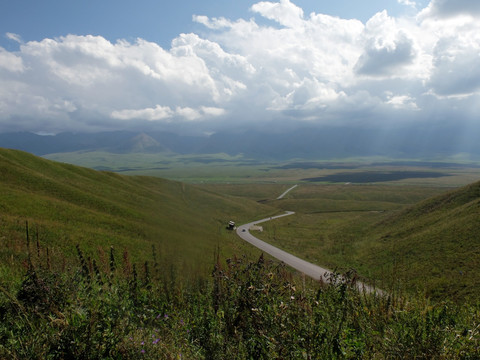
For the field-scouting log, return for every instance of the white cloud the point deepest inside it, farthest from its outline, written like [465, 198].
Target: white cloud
[410, 3]
[212, 111]
[166, 114]
[450, 8]
[150, 114]
[10, 61]
[215, 23]
[387, 48]
[283, 12]
[316, 67]
[402, 102]
[15, 37]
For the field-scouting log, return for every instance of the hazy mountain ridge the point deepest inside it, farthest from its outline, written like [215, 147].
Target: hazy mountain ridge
[308, 143]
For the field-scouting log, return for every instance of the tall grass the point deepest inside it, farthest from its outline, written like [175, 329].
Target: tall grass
[106, 307]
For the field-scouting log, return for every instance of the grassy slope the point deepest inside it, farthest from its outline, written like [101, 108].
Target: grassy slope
[388, 233]
[433, 244]
[70, 204]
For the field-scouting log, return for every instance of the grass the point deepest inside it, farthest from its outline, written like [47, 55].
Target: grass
[68, 204]
[336, 225]
[387, 234]
[66, 293]
[113, 309]
[224, 169]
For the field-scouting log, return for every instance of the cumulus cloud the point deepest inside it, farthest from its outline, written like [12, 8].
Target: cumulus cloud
[165, 113]
[10, 62]
[387, 47]
[456, 67]
[283, 12]
[150, 114]
[315, 68]
[449, 8]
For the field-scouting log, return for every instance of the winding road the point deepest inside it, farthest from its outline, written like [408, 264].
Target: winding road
[314, 271]
[286, 192]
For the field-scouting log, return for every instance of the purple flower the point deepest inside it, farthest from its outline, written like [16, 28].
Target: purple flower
[155, 341]
[142, 351]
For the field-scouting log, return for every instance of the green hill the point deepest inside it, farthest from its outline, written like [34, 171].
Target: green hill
[65, 205]
[433, 245]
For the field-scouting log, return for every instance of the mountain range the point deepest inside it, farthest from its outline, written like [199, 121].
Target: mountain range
[306, 143]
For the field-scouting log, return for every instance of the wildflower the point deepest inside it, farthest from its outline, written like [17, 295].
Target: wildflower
[142, 351]
[155, 341]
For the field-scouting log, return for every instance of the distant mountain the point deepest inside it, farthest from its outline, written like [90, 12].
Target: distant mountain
[141, 143]
[307, 143]
[65, 142]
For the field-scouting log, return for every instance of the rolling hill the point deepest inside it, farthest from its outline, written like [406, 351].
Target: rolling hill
[65, 205]
[433, 245]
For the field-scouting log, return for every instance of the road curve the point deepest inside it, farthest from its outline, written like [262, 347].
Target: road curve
[314, 271]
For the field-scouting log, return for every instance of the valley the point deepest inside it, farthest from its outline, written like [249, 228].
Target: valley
[95, 258]
[341, 210]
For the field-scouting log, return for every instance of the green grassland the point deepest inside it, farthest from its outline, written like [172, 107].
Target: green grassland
[224, 169]
[413, 236]
[387, 234]
[66, 205]
[342, 208]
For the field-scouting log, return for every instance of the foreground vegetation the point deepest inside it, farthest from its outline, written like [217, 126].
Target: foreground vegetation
[109, 308]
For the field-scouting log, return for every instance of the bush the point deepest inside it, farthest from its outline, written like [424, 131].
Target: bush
[247, 310]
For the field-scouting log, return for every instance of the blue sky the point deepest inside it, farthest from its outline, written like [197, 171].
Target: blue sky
[153, 20]
[209, 65]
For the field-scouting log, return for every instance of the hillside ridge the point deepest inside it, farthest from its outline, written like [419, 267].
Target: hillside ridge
[67, 204]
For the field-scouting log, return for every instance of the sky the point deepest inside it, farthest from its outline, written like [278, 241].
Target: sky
[203, 66]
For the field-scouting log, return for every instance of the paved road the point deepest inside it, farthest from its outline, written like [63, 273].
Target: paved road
[286, 192]
[314, 271]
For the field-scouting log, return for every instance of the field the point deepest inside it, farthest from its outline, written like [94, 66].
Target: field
[223, 168]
